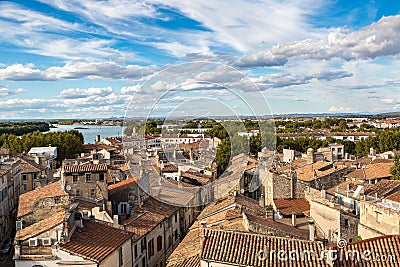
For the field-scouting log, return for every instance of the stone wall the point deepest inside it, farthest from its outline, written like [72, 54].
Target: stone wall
[376, 220]
[45, 207]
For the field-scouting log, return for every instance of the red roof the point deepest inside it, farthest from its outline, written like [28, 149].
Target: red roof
[96, 241]
[27, 200]
[85, 168]
[112, 189]
[287, 206]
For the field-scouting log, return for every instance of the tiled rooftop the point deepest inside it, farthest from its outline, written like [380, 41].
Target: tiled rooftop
[383, 247]
[343, 186]
[318, 169]
[3, 172]
[187, 252]
[85, 168]
[143, 223]
[112, 189]
[201, 178]
[287, 206]
[169, 168]
[27, 200]
[394, 197]
[96, 241]
[247, 204]
[243, 249]
[382, 188]
[29, 166]
[40, 227]
[372, 171]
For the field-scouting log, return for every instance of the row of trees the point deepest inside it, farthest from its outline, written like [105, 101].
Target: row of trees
[68, 143]
[20, 128]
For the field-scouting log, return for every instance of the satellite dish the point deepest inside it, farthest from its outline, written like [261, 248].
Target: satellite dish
[242, 191]
[68, 187]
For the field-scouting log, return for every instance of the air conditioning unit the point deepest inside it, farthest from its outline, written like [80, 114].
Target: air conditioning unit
[33, 242]
[46, 241]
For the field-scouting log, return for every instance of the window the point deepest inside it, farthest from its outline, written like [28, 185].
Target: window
[176, 234]
[25, 187]
[101, 177]
[378, 217]
[34, 176]
[24, 177]
[144, 262]
[88, 177]
[169, 222]
[142, 245]
[346, 222]
[120, 256]
[92, 193]
[159, 243]
[169, 241]
[77, 193]
[136, 251]
[176, 217]
[150, 247]
[74, 178]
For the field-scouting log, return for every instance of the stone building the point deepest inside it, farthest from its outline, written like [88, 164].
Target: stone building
[39, 204]
[381, 217]
[87, 181]
[292, 180]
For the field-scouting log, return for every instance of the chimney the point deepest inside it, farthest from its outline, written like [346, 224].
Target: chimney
[294, 219]
[115, 219]
[292, 182]
[310, 155]
[92, 219]
[311, 224]
[125, 229]
[262, 200]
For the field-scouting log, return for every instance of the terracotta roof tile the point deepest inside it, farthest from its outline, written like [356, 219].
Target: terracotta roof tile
[85, 168]
[394, 197]
[187, 249]
[28, 199]
[3, 172]
[379, 248]
[372, 171]
[40, 227]
[169, 168]
[247, 204]
[287, 206]
[242, 249]
[383, 188]
[201, 178]
[112, 189]
[29, 166]
[96, 241]
[143, 223]
[278, 226]
[343, 186]
[318, 169]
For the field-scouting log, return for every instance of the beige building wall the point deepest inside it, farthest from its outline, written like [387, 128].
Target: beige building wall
[376, 220]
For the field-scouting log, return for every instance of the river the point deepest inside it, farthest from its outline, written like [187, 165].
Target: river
[90, 131]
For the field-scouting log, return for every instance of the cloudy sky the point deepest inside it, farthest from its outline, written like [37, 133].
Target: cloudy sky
[88, 58]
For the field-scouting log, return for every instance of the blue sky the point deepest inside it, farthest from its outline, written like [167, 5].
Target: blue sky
[89, 59]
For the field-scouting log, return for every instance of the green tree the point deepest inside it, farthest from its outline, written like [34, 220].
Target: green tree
[395, 169]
